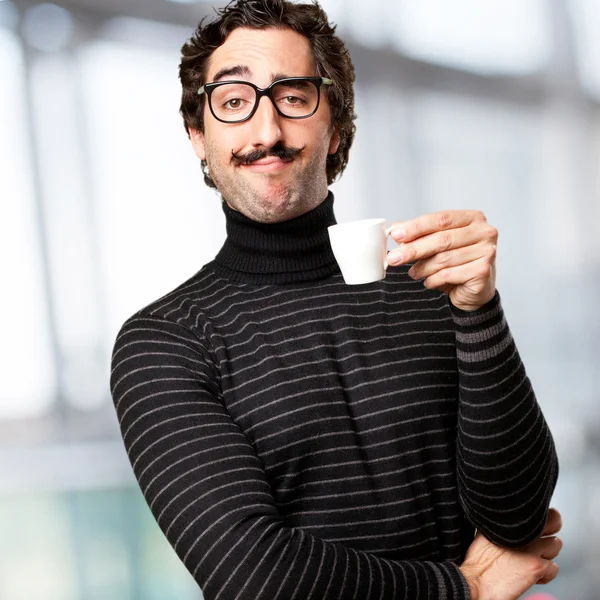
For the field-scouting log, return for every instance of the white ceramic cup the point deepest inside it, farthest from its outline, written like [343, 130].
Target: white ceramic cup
[360, 248]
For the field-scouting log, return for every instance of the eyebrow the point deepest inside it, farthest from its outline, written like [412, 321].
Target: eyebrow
[242, 71]
[237, 71]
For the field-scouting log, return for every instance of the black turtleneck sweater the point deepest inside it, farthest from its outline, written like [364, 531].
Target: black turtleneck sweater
[297, 438]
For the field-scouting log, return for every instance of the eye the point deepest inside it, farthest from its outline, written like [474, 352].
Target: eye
[232, 98]
[234, 103]
[296, 95]
[292, 101]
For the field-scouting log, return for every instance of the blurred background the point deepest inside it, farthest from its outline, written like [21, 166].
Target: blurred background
[492, 105]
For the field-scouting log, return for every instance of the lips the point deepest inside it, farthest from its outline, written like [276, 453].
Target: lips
[270, 164]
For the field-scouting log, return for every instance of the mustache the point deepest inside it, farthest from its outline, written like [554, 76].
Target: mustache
[284, 153]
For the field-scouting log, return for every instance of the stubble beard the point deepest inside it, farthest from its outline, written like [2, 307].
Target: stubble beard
[298, 193]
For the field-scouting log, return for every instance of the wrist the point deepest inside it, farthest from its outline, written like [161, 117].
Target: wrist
[471, 304]
[483, 302]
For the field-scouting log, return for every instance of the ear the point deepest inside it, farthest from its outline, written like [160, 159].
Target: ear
[334, 143]
[197, 139]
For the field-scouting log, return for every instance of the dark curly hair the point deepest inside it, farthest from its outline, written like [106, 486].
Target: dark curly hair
[329, 53]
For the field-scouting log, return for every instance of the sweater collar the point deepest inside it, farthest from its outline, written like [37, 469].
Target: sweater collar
[292, 251]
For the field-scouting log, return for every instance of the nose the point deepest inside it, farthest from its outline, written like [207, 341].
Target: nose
[266, 125]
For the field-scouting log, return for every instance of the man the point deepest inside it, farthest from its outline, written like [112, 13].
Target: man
[299, 438]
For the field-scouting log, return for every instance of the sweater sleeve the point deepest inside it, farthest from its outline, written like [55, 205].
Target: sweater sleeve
[506, 460]
[208, 490]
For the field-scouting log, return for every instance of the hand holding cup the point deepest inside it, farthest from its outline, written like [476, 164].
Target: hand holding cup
[453, 251]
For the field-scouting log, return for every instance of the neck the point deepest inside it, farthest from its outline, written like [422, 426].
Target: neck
[291, 251]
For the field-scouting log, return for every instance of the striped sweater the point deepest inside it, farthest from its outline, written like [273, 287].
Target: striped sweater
[297, 438]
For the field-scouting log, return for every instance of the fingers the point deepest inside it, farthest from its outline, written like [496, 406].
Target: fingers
[444, 242]
[489, 569]
[546, 547]
[550, 573]
[549, 546]
[479, 269]
[406, 231]
[451, 258]
[553, 523]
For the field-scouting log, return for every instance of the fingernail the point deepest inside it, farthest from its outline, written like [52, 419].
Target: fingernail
[398, 234]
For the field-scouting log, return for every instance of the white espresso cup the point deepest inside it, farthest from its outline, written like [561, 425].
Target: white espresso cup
[360, 248]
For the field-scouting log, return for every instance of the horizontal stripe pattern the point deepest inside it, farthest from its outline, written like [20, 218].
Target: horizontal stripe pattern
[321, 441]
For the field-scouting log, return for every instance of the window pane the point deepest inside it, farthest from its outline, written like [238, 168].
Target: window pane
[586, 22]
[157, 221]
[495, 36]
[93, 544]
[9, 16]
[354, 185]
[28, 379]
[66, 205]
[480, 155]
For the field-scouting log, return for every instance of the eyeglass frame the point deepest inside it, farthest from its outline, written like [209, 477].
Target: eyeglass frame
[208, 89]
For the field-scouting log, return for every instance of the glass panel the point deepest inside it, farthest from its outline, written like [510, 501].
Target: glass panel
[354, 186]
[475, 154]
[157, 221]
[68, 228]
[141, 33]
[9, 16]
[37, 561]
[47, 27]
[495, 36]
[28, 380]
[481, 155]
[379, 158]
[593, 203]
[367, 22]
[586, 20]
[90, 545]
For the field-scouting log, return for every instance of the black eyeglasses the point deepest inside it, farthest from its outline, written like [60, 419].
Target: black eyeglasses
[237, 101]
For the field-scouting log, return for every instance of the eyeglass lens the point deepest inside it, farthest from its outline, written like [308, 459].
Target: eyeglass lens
[235, 101]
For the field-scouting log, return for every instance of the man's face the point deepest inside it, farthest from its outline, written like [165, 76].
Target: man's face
[269, 190]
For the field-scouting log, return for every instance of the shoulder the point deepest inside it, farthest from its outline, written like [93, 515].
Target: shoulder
[166, 337]
[191, 302]
[178, 314]
[198, 290]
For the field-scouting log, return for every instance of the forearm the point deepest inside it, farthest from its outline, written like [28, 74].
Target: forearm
[215, 507]
[281, 563]
[217, 512]
[506, 460]
[209, 493]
